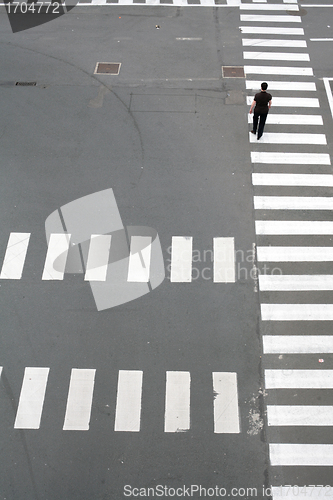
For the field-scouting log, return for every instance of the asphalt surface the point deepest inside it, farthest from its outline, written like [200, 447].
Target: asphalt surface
[169, 135]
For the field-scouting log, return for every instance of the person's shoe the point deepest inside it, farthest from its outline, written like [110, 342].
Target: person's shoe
[252, 132]
[259, 137]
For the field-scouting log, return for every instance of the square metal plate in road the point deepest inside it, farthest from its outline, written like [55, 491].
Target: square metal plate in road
[107, 68]
[233, 72]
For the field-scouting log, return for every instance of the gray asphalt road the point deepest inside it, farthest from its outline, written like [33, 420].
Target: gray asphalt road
[169, 136]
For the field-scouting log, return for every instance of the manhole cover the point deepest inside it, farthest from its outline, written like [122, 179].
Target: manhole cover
[233, 72]
[26, 84]
[107, 68]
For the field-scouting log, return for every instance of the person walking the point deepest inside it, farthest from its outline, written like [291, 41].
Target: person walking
[261, 104]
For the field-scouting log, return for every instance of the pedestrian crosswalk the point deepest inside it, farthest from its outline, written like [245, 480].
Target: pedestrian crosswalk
[77, 409]
[292, 180]
[139, 269]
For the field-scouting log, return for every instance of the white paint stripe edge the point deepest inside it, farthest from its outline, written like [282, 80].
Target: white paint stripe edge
[250, 6]
[289, 138]
[264, 42]
[224, 260]
[301, 102]
[276, 56]
[284, 227]
[272, 179]
[297, 344]
[299, 379]
[181, 259]
[56, 257]
[277, 70]
[296, 415]
[262, 30]
[226, 412]
[296, 312]
[293, 203]
[98, 257]
[177, 401]
[292, 158]
[139, 261]
[287, 119]
[129, 396]
[279, 85]
[31, 400]
[294, 254]
[79, 400]
[293, 282]
[15, 255]
[301, 454]
[269, 18]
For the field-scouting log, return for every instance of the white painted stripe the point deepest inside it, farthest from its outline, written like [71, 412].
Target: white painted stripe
[98, 257]
[15, 255]
[329, 93]
[79, 400]
[258, 30]
[295, 283]
[226, 413]
[269, 18]
[276, 56]
[292, 102]
[297, 344]
[177, 402]
[277, 85]
[301, 454]
[139, 261]
[263, 179]
[56, 256]
[293, 203]
[32, 396]
[289, 138]
[285, 119]
[299, 415]
[271, 6]
[294, 158]
[279, 227]
[290, 1]
[129, 395]
[0, 370]
[321, 39]
[295, 254]
[302, 493]
[297, 312]
[181, 259]
[224, 260]
[299, 379]
[268, 42]
[278, 70]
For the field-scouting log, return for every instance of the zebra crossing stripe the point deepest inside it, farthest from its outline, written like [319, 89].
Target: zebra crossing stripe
[269, 18]
[272, 6]
[299, 379]
[31, 400]
[287, 119]
[297, 415]
[296, 312]
[293, 227]
[177, 402]
[278, 70]
[226, 415]
[79, 400]
[277, 85]
[270, 179]
[266, 42]
[181, 259]
[258, 30]
[297, 102]
[294, 283]
[289, 138]
[293, 203]
[276, 56]
[56, 257]
[98, 257]
[224, 260]
[295, 254]
[139, 260]
[303, 492]
[128, 406]
[15, 255]
[298, 344]
[301, 454]
[293, 158]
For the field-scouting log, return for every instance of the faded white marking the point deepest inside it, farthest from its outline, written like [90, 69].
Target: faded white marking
[280, 227]
[15, 255]
[297, 344]
[31, 400]
[181, 259]
[98, 257]
[299, 379]
[56, 255]
[177, 401]
[224, 260]
[129, 395]
[292, 158]
[297, 312]
[226, 413]
[139, 260]
[79, 400]
[301, 454]
[270, 179]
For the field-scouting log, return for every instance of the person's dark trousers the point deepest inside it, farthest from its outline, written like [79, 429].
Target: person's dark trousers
[262, 120]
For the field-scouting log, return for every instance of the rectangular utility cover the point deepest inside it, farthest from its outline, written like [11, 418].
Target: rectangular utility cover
[233, 72]
[107, 68]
